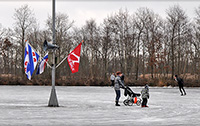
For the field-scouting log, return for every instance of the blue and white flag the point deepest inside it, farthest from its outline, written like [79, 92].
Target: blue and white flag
[42, 64]
[30, 60]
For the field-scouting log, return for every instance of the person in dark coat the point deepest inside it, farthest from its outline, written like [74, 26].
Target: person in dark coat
[117, 86]
[122, 78]
[180, 84]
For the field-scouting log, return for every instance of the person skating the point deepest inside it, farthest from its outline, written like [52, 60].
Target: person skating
[118, 84]
[180, 84]
[112, 79]
[145, 96]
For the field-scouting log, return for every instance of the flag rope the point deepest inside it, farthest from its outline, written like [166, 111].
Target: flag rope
[61, 61]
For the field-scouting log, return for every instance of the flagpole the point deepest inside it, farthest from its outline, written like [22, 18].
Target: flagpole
[53, 102]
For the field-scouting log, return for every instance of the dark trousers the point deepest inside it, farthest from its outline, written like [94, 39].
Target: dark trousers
[117, 95]
[144, 101]
[181, 88]
[112, 82]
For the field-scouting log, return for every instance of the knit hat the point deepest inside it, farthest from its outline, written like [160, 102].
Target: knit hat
[118, 72]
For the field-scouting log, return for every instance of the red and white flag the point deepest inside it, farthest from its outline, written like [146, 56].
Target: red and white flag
[74, 58]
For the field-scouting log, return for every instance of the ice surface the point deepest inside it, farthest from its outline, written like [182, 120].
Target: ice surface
[27, 106]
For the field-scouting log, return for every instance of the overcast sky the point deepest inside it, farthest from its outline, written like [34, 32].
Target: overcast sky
[80, 11]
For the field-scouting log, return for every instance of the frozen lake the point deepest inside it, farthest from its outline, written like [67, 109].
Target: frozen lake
[27, 106]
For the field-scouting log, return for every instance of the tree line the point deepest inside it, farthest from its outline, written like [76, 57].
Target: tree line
[143, 45]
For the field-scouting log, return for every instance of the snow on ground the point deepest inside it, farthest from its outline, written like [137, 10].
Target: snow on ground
[27, 106]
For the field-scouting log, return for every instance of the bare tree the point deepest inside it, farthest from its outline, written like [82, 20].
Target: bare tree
[177, 22]
[24, 20]
[139, 22]
[92, 38]
[107, 44]
[63, 37]
[196, 42]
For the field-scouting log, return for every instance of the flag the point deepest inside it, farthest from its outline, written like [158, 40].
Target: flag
[74, 59]
[30, 60]
[42, 64]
